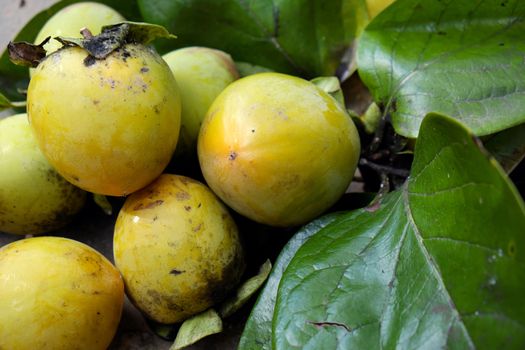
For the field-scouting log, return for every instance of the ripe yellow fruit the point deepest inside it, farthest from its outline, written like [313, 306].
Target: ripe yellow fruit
[56, 293]
[277, 149]
[177, 248]
[34, 198]
[108, 126]
[71, 19]
[202, 73]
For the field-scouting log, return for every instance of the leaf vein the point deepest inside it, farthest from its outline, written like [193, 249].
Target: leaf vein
[431, 264]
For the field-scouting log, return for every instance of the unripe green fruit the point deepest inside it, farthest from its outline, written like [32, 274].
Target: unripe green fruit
[34, 198]
[71, 19]
[202, 73]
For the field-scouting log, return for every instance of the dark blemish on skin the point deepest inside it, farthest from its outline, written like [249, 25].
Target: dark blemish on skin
[253, 130]
[187, 207]
[218, 287]
[155, 218]
[144, 70]
[197, 228]
[232, 155]
[156, 109]
[89, 61]
[125, 55]
[501, 44]
[96, 102]
[74, 177]
[150, 205]
[441, 33]
[198, 206]
[176, 272]
[182, 196]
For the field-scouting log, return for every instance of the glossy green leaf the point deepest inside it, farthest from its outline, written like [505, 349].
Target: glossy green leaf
[196, 328]
[438, 264]
[508, 147]
[257, 332]
[302, 37]
[460, 58]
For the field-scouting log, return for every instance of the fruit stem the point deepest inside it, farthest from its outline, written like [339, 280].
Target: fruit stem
[86, 33]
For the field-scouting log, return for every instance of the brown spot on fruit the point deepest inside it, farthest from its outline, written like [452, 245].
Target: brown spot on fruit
[182, 196]
[142, 206]
[232, 155]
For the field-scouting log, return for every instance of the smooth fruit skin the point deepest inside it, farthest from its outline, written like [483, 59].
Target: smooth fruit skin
[108, 126]
[56, 293]
[277, 149]
[177, 248]
[71, 19]
[34, 198]
[202, 73]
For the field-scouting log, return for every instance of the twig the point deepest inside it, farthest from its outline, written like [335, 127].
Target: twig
[384, 169]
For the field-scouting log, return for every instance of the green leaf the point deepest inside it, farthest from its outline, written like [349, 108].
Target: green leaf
[245, 291]
[438, 264]
[460, 58]
[245, 69]
[508, 147]
[371, 118]
[6, 103]
[301, 37]
[331, 86]
[196, 328]
[257, 332]
[103, 203]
